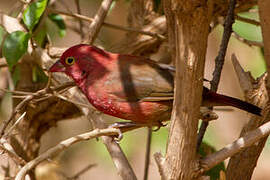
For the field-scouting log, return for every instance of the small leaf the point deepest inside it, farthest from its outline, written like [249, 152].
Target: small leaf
[38, 75]
[33, 12]
[2, 33]
[59, 21]
[246, 30]
[15, 46]
[16, 75]
[40, 37]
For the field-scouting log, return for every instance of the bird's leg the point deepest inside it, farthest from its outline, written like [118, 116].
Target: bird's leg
[126, 126]
[159, 125]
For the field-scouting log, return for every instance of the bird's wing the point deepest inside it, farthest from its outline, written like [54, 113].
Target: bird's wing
[142, 80]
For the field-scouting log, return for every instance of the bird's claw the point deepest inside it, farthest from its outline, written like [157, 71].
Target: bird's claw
[160, 124]
[118, 126]
[118, 138]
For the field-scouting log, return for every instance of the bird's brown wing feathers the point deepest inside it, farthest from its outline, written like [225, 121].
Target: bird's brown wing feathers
[142, 80]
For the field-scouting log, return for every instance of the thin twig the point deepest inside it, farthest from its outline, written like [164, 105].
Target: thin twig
[147, 153]
[17, 92]
[118, 157]
[99, 18]
[3, 65]
[17, 109]
[28, 98]
[109, 25]
[247, 20]
[231, 149]
[77, 2]
[15, 124]
[248, 42]
[201, 133]
[64, 145]
[6, 147]
[84, 170]
[74, 102]
[219, 61]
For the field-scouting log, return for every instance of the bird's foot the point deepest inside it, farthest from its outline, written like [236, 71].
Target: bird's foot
[207, 114]
[160, 124]
[124, 127]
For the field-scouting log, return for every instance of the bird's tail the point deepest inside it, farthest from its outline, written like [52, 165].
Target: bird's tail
[214, 99]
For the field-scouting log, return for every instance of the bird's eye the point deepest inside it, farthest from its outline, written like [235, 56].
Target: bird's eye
[70, 60]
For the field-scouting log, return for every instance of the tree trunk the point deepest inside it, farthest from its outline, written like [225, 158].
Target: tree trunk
[188, 29]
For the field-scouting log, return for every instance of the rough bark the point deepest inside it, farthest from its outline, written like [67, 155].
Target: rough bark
[188, 28]
[242, 165]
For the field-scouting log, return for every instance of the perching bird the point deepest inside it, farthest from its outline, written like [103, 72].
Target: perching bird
[130, 87]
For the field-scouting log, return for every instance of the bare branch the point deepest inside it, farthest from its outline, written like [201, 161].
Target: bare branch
[6, 147]
[78, 174]
[248, 42]
[147, 153]
[247, 20]
[118, 157]
[231, 149]
[98, 20]
[190, 24]
[28, 98]
[64, 145]
[77, 2]
[109, 25]
[219, 61]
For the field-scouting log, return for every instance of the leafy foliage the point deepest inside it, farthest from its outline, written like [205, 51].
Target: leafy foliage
[33, 13]
[15, 46]
[59, 21]
[246, 30]
[38, 75]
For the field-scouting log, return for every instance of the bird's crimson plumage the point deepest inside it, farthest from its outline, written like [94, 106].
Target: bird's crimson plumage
[130, 87]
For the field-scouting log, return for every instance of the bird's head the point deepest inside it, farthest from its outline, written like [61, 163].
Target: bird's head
[78, 61]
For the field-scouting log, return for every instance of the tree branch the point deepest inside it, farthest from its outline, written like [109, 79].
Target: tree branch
[98, 20]
[231, 149]
[64, 145]
[219, 61]
[188, 40]
[242, 164]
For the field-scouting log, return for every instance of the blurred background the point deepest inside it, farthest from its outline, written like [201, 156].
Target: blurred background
[220, 132]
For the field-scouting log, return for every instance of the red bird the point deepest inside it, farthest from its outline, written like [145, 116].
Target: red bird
[130, 87]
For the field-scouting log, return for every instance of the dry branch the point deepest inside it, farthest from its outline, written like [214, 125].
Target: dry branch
[98, 20]
[188, 33]
[219, 61]
[231, 149]
[109, 25]
[62, 146]
[118, 157]
[242, 164]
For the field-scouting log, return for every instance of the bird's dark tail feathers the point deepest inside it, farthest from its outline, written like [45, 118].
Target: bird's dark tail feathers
[223, 100]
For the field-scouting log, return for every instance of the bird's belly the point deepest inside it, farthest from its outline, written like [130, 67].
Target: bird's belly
[140, 112]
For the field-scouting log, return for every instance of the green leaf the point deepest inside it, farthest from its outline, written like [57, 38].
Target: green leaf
[38, 75]
[15, 46]
[40, 37]
[59, 21]
[33, 12]
[2, 33]
[16, 75]
[246, 30]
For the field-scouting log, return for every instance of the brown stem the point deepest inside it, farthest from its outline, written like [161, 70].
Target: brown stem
[98, 20]
[219, 61]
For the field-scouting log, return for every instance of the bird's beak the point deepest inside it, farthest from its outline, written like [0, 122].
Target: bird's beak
[57, 67]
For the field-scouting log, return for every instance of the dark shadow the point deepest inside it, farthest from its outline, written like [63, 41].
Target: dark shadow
[124, 64]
